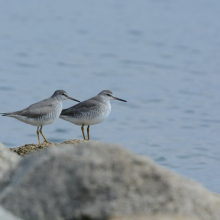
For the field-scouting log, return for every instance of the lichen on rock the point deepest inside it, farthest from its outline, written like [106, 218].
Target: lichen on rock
[30, 148]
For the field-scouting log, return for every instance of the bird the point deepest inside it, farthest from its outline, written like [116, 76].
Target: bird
[91, 111]
[42, 113]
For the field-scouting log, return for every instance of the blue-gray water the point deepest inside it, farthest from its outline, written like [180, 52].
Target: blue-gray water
[162, 56]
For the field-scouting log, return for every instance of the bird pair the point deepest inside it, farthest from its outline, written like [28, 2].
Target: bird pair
[89, 112]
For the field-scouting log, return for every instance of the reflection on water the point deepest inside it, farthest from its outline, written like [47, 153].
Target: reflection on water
[160, 56]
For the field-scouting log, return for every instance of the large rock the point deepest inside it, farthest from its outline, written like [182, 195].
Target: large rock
[156, 217]
[8, 159]
[101, 182]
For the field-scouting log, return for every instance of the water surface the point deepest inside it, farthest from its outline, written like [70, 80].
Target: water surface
[160, 56]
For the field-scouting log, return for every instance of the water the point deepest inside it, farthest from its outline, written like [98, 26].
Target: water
[160, 56]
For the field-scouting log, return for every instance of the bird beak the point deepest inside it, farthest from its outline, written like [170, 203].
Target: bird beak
[119, 99]
[73, 99]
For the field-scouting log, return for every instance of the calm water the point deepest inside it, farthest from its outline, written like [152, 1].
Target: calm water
[163, 57]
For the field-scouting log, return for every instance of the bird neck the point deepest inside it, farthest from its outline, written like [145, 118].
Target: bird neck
[57, 98]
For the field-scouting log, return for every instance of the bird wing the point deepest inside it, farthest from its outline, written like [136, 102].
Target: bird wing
[88, 105]
[36, 110]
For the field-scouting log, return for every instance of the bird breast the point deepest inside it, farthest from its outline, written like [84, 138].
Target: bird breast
[90, 117]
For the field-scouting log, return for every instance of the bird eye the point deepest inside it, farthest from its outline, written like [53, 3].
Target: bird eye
[64, 94]
[108, 94]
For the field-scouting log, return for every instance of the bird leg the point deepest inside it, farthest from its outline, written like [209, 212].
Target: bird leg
[45, 140]
[82, 128]
[88, 132]
[38, 135]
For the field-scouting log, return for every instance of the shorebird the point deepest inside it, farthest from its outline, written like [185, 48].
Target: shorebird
[90, 112]
[42, 113]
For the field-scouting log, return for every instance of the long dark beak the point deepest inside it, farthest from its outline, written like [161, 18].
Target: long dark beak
[73, 99]
[119, 99]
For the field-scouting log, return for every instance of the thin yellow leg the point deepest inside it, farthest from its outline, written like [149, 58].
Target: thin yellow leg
[88, 132]
[38, 135]
[43, 135]
[82, 128]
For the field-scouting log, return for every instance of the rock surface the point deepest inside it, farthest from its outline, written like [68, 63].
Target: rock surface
[30, 148]
[7, 159]
[157, 217]
[98, 181]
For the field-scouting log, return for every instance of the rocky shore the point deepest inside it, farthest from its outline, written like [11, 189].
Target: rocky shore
[87, 180]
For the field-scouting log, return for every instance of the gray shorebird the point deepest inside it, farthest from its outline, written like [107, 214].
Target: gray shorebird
[42, 113]
[90, 112]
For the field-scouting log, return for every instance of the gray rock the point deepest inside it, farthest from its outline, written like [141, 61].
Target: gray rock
[155, 217]
[97, 181]
[5, 215]
[7, 159]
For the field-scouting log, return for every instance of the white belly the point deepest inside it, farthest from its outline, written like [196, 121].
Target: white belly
[36, 122]
[89, 118]
[84, 121]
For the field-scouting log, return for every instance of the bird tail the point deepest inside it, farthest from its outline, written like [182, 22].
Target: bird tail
[5, 114]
